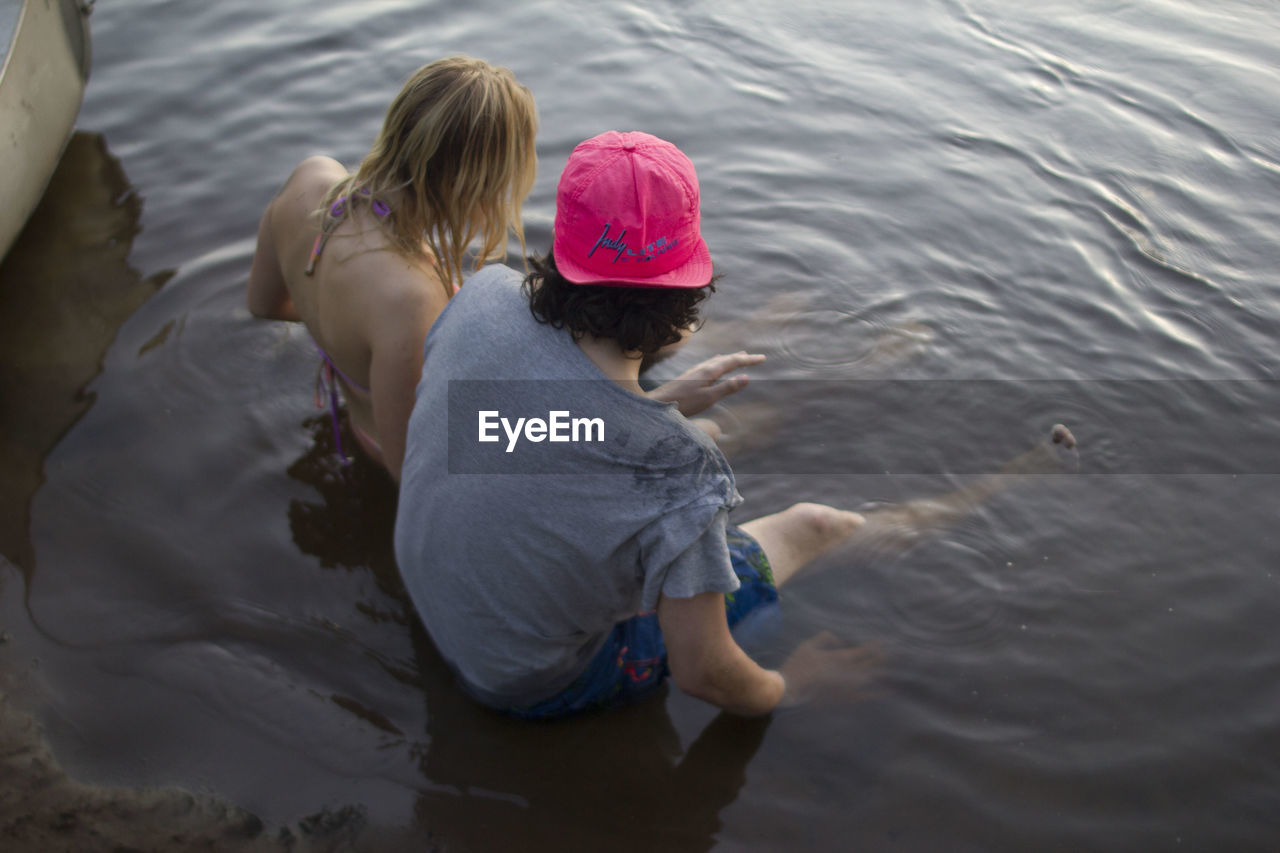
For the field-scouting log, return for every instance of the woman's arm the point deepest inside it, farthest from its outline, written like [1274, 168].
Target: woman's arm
[400, 319]
[268, 295]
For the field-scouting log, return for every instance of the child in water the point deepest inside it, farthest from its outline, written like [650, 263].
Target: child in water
[368, 260]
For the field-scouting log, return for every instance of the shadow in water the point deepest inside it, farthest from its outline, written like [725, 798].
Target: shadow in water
[65, 288]
[617, 780]
[352, 523]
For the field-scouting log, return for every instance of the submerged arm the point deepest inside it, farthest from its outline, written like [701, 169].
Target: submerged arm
[706, 662]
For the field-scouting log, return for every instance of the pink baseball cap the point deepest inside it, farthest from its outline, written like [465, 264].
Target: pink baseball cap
[627, 214]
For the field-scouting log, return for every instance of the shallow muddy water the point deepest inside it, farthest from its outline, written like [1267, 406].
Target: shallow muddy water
[948, 224]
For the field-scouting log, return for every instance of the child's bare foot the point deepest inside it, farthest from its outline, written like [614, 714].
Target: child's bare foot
[1058, 453]
[900, 525]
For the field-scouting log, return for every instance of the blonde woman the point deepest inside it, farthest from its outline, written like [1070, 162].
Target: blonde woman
[368, 260]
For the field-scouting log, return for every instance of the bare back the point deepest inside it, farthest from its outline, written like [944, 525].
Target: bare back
[366, 305]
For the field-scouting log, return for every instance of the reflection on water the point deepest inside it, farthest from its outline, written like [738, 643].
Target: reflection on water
[618, 781]
[581, 784]
[65, 288]
[351, 524]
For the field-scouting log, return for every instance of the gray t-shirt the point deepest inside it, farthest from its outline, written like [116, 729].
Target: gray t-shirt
[521, 555]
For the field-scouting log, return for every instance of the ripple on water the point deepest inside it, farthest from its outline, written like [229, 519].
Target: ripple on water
[947, 592]
[1051, 190]
[852, 343]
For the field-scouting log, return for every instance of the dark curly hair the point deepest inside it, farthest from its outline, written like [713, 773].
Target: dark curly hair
[640, 319]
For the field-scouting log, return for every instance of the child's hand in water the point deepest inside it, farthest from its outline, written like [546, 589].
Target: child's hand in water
[825, 668]
[699, 387]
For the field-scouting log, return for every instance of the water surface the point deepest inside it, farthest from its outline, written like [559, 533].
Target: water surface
[975, 192]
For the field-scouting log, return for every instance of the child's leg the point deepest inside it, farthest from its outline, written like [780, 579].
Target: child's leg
[800, 534]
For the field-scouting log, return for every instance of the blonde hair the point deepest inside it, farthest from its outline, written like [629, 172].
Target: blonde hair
[456, 158]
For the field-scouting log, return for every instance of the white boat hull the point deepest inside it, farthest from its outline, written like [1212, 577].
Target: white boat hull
[41, 87]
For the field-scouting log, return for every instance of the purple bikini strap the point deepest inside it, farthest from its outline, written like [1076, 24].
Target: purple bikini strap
[328, 376]
[336, 211]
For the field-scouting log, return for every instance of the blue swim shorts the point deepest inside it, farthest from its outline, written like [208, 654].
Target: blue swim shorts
[633, 661]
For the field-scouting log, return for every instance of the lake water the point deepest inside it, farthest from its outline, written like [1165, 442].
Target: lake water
[949, 224]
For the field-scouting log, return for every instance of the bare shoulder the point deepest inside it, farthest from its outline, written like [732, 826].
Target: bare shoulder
[308, 183]
[318, 168]
[409, 292]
